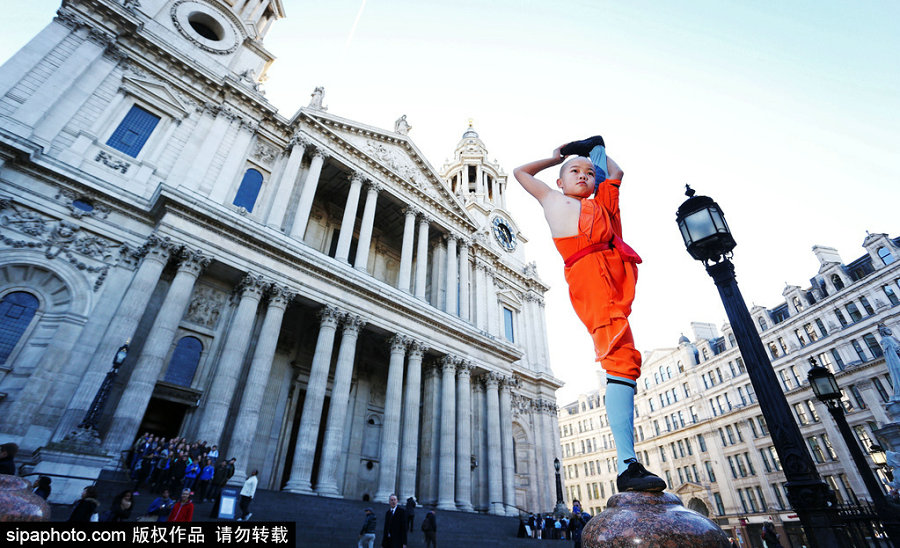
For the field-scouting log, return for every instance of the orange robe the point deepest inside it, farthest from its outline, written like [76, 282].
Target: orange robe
[601, 283]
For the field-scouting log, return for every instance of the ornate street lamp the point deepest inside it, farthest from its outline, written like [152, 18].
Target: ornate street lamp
[827, 391]
[560, 503]
[708, 239]
[96, 409]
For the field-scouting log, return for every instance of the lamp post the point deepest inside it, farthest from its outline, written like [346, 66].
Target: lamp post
[708, 239]
[96, 409]
[827, 391]
[560, 503]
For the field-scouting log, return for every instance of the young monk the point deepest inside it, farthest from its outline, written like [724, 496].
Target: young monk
[601, 271]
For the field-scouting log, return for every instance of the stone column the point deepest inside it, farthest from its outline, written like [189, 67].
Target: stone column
[430, 448]
[480, 296]
[408, 449]
[348, 223]
[464, 280]
[506, 446]
[548, 410]
[121, 328]
[257, 379]
[446, 467]
[390, 430]
[406, 250]
[494, 461]
[493, 308]
[422, 257]
[479, 491]
[327, 484]
[228, 369]
[307, 193]
[130, 410]
[286, 181]
[220, 189]
[301, 468]
[452, 273]
[365, 231]
[464, 437]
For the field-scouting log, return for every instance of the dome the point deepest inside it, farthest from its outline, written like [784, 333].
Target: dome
[470, 133]
[683, 340]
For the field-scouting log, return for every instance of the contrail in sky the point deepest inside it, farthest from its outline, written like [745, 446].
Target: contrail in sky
[355, 22]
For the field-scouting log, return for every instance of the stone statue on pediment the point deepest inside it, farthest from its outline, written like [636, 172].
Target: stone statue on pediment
[401, 126]
[318, 95]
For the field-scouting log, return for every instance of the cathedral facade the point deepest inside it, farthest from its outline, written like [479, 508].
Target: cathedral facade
[308, 293]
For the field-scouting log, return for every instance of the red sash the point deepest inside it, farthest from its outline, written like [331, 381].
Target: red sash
[628, 254]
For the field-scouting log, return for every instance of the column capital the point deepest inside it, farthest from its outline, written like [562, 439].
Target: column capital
[398, 343]
[417, 349]
[320, 152]
[464, 369]
[374, 186]
[299, 139]
[509, 382]
[412, 211]
[252, 286]
[157, 247]
[449, 363]
[464, 243]
[357, 176]
[330, 315]
[280, 295]
[491, 380]
[192, 261]
[353, 323]
[425, 218]
[478, 386]
[451, 236]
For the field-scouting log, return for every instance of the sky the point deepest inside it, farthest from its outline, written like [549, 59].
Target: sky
[786, 113]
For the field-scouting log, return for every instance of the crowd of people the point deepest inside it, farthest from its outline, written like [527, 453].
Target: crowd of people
[555, 526]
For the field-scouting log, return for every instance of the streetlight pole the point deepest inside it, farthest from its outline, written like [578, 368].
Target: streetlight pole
[93, 415]
[827, 391]
[708, 239]
[560, 503]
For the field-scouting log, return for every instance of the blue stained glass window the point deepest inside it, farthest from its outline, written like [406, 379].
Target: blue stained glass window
[184, 362]
[16, 311]
[249, 190]
[134, 131]
[508, 324]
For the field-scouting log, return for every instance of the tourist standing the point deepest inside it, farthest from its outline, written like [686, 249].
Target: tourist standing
[394, 526]
[367, 533]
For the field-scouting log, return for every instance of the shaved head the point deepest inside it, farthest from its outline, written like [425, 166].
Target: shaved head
[568, 162]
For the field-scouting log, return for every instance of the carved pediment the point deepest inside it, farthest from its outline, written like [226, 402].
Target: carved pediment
[157, 94]
[689, 488]
[395, 154]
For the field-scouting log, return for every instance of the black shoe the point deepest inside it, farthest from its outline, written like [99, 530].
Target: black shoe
[637, 478]
[583, 147]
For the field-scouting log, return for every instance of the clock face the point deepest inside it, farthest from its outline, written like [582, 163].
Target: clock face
[504, 234]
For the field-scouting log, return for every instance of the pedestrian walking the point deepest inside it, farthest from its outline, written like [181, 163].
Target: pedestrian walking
[429, 527]
[248, 491]
[410, 512]
[367, 533]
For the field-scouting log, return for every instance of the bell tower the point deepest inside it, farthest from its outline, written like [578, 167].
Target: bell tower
[478, 182]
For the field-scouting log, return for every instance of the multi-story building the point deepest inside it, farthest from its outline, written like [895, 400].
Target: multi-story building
[306, 292]
[697, 422]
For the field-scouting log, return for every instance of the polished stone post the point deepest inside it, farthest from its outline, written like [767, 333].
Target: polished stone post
[390, 430]
[464, 437]
[408, 449]
[228, 368]
[422, 256]
[446, 467]
[121, 328]
[307, 194]
[494, 463]
[286, 182]
[327, 484]
[304, 451]
[406, 249]
[248, 414]
[464, 280]
[348, 223]
[506, 446]
[131, 407]
[365, 230]
[452, 273]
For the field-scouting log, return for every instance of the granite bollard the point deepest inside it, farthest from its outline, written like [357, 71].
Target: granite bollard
[18, 503]
[651, 519]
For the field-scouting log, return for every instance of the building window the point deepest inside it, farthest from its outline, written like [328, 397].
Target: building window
[859, 350]
[840, 317]
[797, 304]
[854, 312]
[709, 471]
[508, 324]
[701, 442]
[778, 496]
[720, 508]
[16, 311]
[816, 449]
[762, 323]
[800, 410]
[184, 361]
[765, 458]
[866, 306]
[873, 345]
[837, 359]
[882, 393]
[821, 327]
[248, 192]
[891, 295]
[838, 283]
[133, 131]
[885, 255]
